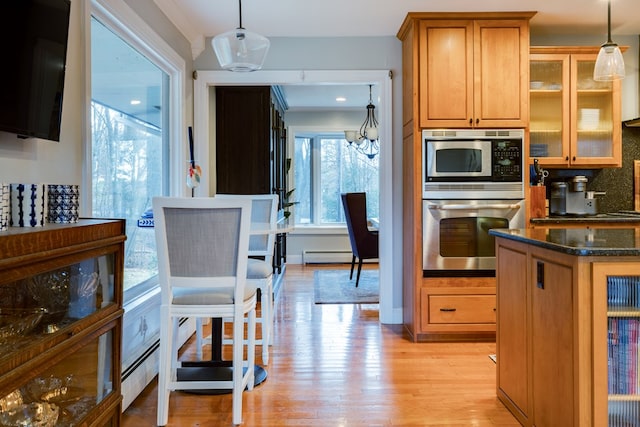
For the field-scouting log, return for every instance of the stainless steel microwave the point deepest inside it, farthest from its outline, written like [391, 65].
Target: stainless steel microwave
[478, 160]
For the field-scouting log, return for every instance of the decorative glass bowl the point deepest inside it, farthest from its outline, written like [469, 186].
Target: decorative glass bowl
[17, 322]
[36, 414]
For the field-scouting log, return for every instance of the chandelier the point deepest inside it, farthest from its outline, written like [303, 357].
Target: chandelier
[609, 64]
[366, 139]
[239, 49]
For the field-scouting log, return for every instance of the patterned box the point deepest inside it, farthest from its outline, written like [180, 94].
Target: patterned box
[63, 203]
[28, 205]
[5, 208]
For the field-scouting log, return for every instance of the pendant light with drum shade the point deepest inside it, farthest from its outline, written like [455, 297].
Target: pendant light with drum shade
[366, 138]
[610, 64]
[239, 49]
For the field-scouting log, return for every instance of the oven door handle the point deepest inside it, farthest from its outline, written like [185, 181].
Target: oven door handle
[474, 207]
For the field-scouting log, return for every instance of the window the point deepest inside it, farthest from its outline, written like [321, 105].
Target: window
[129, 146]
[324, 166]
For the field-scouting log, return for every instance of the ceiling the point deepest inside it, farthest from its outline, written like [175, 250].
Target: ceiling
[346, 18]
[199, 19]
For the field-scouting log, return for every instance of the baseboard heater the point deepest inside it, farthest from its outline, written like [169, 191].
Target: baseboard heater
[326, 256]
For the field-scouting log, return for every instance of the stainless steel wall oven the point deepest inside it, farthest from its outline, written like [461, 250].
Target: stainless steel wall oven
[473, 182]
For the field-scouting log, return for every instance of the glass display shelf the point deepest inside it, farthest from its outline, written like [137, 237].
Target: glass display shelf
[623, 348]
[49, 303]
[65, 393]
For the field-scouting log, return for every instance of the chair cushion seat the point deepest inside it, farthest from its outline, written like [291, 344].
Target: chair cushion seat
[195, 296]
[258, 269]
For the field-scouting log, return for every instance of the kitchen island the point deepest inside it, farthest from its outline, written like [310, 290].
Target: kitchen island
[568, 314]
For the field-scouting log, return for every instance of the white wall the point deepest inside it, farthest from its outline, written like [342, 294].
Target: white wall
[37, 160]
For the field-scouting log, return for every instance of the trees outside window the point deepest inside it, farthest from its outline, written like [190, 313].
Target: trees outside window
[325, 166]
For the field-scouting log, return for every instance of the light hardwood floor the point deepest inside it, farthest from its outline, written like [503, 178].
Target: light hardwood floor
[335, 365]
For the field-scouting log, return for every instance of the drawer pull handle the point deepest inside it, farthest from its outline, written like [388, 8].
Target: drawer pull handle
[447, 309]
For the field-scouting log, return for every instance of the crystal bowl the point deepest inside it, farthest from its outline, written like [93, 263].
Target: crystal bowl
[17, 322]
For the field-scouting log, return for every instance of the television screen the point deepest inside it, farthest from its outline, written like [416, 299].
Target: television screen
[33, 48]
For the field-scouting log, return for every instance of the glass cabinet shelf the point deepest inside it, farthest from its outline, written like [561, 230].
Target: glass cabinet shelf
[49, 303]
[66, 392]
[623, 350]
[581, 112]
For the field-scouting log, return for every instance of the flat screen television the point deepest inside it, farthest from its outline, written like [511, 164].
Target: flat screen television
[33, 50]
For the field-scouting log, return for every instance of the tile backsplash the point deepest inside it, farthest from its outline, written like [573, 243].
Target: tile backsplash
[616, 182]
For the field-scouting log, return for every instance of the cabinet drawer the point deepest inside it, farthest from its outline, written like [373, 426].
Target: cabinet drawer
[462, 308]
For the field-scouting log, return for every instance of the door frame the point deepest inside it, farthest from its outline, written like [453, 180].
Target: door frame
[205, 79]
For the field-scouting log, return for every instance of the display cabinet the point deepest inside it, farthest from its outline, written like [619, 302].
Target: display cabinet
[575, 120]
[617, 344]
[60, 324]
[261, 131]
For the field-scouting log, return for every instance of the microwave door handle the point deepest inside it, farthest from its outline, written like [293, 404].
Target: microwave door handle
[460, 207]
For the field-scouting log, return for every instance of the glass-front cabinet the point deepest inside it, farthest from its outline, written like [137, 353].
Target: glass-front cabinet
[574, 120]
[617, 344]
[60, 324]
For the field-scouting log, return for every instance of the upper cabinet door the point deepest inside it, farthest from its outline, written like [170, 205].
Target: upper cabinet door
[474, 73]
[575, 121]
[550, 118]
[596, 129]
[501, 73]
[446, 73]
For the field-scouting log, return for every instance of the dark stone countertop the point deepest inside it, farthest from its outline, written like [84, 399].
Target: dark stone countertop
[608, 218]
[578, 241]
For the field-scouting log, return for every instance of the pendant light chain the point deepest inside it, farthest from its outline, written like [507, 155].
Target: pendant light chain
[609, 41]
[240, 14]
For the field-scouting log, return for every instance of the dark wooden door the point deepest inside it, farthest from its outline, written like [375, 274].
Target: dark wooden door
[243, 140]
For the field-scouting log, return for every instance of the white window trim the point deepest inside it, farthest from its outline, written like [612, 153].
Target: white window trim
[117, 15]
[303, 132]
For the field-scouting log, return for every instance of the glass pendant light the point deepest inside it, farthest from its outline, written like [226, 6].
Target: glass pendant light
[609, 64]
[239, 49]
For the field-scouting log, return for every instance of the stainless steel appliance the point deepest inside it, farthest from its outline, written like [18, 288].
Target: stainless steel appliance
[456, 238]
[473, 182]
[458, 161]
[572, 198]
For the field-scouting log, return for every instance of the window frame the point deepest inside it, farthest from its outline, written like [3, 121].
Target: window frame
[125, 23]
[315, 172]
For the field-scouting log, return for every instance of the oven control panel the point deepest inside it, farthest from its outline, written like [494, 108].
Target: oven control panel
[506, 161]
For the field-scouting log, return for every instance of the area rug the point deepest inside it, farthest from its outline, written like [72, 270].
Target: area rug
[334, 287]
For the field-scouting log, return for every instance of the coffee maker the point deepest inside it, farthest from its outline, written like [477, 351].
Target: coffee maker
[572, 198]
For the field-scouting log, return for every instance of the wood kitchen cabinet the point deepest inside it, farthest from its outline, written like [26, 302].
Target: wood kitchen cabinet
[60, 335]
[472, 72]
[459, 70]
[458, 308]
[575, 121]
[567, 326]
